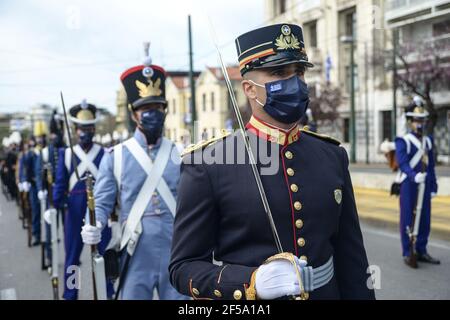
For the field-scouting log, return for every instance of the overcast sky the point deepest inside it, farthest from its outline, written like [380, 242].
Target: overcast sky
[82, 46]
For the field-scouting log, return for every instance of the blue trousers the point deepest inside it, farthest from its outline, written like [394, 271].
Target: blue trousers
[408, 198]
[149, 266]
[73, 243]
[35, 212]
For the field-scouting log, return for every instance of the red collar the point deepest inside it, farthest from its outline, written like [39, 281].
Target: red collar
[271, 133]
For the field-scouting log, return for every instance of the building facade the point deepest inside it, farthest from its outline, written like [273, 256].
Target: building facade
[325, 24]
[213, 105]
[428, 23]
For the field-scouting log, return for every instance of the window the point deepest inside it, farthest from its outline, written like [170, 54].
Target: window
[212, 101]
[204, 102]
[174, 106]
[312, 34]
[213, 130]
[386, 125]
[441, 28]
[282, 6]
[346, 130]
[350, 24]
[229, 102]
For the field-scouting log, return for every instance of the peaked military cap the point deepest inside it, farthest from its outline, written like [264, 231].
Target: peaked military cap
[271, 46]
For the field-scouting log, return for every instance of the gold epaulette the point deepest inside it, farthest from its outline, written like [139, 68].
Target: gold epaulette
[320, 136]
[204, 143]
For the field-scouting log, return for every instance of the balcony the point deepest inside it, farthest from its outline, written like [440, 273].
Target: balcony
[402, 12]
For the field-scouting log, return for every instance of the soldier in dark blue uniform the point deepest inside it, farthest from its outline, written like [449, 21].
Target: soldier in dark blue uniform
[27, 179]
[306, 179]
[414, 154]
[68, 189]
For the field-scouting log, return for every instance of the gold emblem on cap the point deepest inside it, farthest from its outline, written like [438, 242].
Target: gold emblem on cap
[153, 89]
[338, 196]
[85, 114]
[287, 40]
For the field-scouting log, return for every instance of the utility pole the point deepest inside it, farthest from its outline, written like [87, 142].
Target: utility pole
[352, 105]
[366, 77]
[394, 85]
[351, 41]
[192, 84]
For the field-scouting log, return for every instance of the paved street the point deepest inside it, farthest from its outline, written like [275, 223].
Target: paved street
[20, 267]
[382, 210]
[21, 278]
[441, 171]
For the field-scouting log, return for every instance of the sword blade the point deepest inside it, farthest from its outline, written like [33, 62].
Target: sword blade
[69, 135]
[248, 148]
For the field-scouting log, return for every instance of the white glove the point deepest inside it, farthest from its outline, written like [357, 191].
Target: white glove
[433, 194]
[420, 177]
[26, 186]
[20, 187]
[90, 234]
[42, 194]
[276, 279]
[48, 215]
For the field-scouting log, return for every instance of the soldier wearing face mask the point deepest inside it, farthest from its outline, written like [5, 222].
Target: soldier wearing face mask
[47, 160]
[141, 175]
[307, 183]
[414, 154]
[70, 191]
[27, 180]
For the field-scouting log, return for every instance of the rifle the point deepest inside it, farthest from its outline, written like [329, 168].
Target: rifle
[413, 230]
[54, 234]
[43, 204]
[27, 216]
[98, 264]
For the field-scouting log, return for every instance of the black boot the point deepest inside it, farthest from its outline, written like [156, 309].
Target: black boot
[36, 241]
[427, 258]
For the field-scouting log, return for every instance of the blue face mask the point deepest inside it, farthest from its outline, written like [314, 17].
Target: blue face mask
[287, 100]
[152, 124]
[86, 138]
[419, 127]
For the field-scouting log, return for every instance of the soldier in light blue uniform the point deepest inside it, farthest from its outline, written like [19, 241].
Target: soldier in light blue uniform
[126, 175]
[87, 157]
[415, 169]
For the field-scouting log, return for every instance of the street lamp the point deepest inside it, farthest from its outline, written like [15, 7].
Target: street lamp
[350, 40]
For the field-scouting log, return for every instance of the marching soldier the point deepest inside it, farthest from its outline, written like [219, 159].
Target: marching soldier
[414, 154]
[87, 156]
[39, 176]
[142, 173]
[47, 160]
[220, 213]
[12, 164]
[27, 179]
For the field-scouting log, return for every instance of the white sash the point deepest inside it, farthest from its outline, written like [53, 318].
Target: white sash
[410, 138]
[153, 181]
[86, 162]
